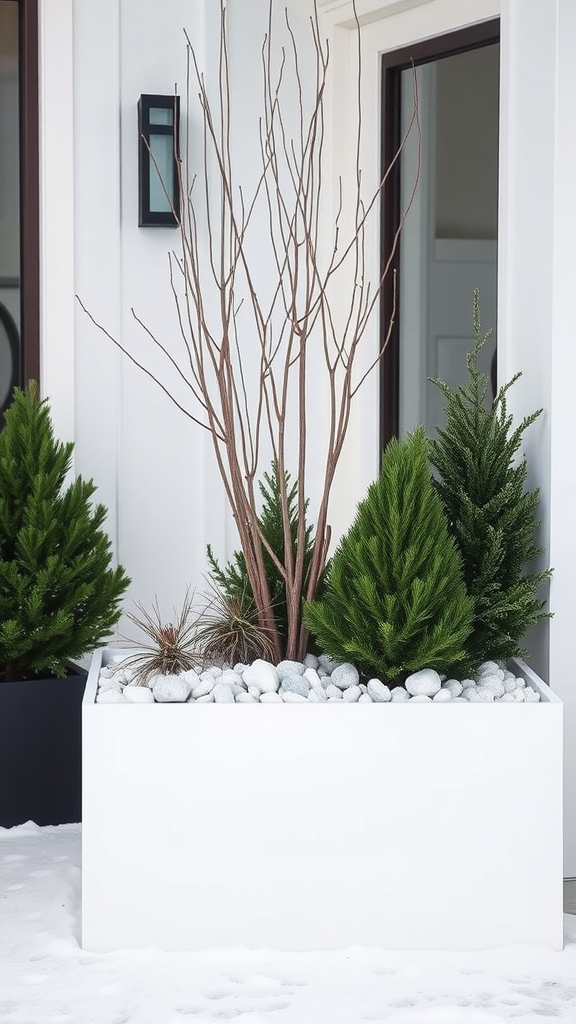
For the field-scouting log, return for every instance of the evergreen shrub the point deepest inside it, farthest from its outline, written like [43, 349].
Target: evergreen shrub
[395, 599]
[234, 609]
[492, 516]
[59, 595]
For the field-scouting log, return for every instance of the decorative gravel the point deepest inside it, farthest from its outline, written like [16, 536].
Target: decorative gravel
[316, 680]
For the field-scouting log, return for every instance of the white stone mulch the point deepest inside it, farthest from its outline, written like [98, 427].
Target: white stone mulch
[316, 680]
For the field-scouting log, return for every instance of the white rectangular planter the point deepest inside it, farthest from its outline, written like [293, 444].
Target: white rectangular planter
[319, 826]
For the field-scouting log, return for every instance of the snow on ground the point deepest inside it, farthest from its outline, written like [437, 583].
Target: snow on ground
[47, 979]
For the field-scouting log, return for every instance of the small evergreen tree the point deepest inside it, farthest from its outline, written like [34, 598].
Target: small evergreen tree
[232, 579]
[58, 594]
[395, 600]
[492, 517]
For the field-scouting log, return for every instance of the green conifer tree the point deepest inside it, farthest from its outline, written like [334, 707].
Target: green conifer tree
[232, 579]
[395, 600]
[492, 517]
[59, 596]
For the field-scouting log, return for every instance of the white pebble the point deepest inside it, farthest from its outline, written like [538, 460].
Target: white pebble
[531, 695]
[312, 676]
[270, 697]
[352, 694]
[485, 693]
[453, 686]
[139, 694]
[263, 675]
[317, 693]
[422, 698]
[171, 689]
[378, 690]
[442, 696]
[488, 666]
[208, 698]
[399, 694]
[203, 687]
[104, 685]
[245, 698]
[289, 697]
[254, 692]
[223, 694]
[365, 699]
[424, 683]
[111, 697]
[333, 692]
[492, 682]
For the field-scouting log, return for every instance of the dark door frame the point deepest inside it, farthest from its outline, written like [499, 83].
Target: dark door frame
[393, 63]
[29, 192]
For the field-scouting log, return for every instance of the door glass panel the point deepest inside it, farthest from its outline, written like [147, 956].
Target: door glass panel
[449, 241]
[9, 201]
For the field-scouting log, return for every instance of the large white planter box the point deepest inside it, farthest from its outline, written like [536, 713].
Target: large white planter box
[320, 826]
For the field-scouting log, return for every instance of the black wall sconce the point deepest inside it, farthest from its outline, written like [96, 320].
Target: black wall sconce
[158, 149]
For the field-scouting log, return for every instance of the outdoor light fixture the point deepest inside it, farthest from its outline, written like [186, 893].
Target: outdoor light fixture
[158, 186]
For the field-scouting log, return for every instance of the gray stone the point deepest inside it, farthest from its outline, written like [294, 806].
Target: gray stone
[345, 675]
[327, 664]
[295, 684]
[311, 661]
[289, 668]
[378, 690]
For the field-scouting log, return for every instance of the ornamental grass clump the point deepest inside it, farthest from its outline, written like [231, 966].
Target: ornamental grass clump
[59, 594]
[395, 599]
[169, 648]
[493, 518]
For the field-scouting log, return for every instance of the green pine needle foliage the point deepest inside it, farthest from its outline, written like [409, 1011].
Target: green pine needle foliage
[395, 599]
[232, 579]
[59, 595]
[493, 517]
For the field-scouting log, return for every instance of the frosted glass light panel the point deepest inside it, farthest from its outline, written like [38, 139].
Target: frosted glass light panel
[158, 187]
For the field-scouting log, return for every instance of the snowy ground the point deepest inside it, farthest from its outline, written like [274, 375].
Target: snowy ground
[48, 979]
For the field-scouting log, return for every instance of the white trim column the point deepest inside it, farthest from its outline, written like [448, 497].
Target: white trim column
[536, 317]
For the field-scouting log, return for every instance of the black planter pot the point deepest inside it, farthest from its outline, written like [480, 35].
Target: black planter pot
[41, 750]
